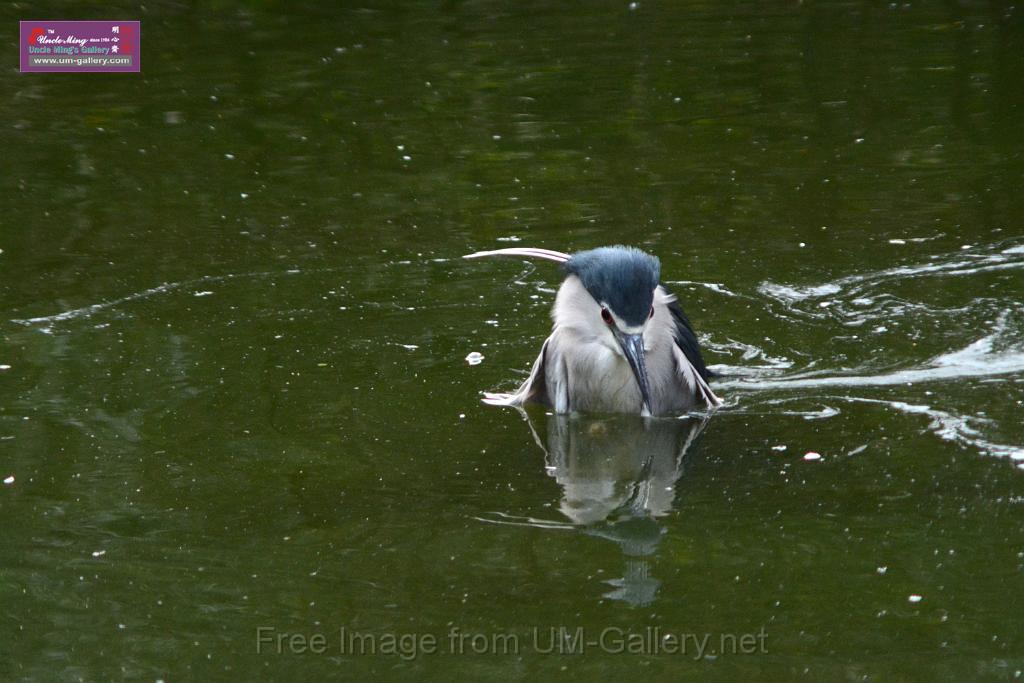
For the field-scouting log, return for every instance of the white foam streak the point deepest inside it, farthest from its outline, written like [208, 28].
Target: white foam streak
[790, 294]
[956, 264]
[88, 311]
[978, 359]
[716, 287]
[951, 427]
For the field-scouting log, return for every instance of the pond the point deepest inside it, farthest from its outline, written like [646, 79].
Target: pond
[239, 436]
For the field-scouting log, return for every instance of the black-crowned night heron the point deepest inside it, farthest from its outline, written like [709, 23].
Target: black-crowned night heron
[620, 343]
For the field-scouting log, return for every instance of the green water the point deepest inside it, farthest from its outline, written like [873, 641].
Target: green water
[234, 318]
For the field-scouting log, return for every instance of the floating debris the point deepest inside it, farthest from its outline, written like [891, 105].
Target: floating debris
[915, 599]
[5, 367]
[9, 480]
[203, 293]
[811, 455]
[99, 553]
[882, 570]
[780, 448]
[475, 358]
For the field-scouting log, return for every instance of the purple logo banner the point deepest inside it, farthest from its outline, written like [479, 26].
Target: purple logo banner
[81, 46]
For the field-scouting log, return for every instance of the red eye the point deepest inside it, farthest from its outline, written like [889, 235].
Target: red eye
[651, 314]
[606, 316]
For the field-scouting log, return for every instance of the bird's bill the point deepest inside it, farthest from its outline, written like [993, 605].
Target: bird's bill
[633, 348]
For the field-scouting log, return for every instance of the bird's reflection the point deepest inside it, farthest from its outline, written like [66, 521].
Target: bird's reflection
[618, 474]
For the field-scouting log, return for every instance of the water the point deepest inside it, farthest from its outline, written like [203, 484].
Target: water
[234, 394]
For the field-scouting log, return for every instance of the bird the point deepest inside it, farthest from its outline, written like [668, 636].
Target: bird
[620, 342]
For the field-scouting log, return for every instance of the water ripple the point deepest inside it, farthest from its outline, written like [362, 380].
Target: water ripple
[985, 357]
[874, 297]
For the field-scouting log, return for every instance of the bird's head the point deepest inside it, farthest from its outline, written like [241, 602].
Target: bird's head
[621, 283]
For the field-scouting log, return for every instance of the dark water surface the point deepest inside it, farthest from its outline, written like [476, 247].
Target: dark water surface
[234, 317]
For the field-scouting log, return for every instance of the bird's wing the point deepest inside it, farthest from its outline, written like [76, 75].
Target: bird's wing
[692, 378]
[687, 353]
[534, 389]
